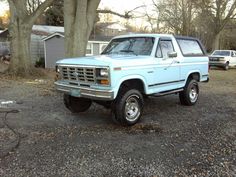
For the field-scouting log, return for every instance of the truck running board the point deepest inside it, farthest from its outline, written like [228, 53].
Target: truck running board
[167, 92]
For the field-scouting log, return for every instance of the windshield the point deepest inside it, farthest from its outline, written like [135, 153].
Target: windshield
[131, 45]
[221, 53]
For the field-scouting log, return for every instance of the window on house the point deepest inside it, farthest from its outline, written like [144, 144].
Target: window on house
[89, 48]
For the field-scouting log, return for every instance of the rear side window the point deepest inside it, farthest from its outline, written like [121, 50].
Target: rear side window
[232, 54]
[190, 47]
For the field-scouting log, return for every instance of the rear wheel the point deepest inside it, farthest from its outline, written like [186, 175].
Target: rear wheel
[76, 104]
[189, 95]
[128, 107]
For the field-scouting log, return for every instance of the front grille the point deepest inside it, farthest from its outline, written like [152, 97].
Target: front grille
[214, 59]
[81, 74]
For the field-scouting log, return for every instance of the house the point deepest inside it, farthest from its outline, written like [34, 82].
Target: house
[37, 45]
[55, 50]
[111, 29]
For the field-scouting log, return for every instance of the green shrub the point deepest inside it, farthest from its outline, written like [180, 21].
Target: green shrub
[40, 63]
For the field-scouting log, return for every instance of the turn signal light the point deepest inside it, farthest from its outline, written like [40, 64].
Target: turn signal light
[104, 82]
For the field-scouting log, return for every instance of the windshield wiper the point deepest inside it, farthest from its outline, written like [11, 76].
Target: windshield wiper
[128, 51]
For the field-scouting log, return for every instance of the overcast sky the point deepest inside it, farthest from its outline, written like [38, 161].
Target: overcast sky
[123, 5]
[116, 5]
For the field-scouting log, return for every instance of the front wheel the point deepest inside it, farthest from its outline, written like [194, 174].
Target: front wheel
[128, 107]
[76, 104]
[226, 67]
[189, 95]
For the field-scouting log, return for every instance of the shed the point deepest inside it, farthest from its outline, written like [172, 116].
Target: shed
[55, 50]
[37, 45]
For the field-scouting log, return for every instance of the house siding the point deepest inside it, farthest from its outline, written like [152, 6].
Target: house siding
[54, 51]
[36, 48]
[96, 49]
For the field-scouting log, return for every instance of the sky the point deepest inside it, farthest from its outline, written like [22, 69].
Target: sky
[122, 5]
[3, 8]
[116, 5]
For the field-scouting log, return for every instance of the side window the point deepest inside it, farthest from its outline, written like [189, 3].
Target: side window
[232, 54]
[159, 54]
[164, 47]
[190, 47]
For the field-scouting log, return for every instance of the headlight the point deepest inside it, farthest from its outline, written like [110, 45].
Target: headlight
[222, 59]
[58, 75]
[104, 72]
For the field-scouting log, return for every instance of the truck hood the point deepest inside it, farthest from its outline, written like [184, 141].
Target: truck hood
[107, 60]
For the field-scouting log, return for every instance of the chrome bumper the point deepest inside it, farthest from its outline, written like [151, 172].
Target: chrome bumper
[85, 92]
[215, 63]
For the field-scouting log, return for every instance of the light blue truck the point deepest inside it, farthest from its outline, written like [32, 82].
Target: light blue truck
[131, 68]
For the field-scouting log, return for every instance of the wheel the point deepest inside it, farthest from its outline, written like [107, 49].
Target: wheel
[128, 107]
[226, 67]
[189, 95]
[76, 104]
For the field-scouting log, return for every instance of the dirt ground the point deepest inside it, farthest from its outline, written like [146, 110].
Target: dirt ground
[170, 140]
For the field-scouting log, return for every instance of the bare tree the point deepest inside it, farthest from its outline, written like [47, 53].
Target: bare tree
[222, 11]
[176, 15]
[22, 19]
[212, 18]
[79, 17]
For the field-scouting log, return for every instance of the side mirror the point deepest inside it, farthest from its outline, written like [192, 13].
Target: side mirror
[172, 54]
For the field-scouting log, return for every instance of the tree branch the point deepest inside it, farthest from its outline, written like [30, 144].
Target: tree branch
[128, 12]
[39, 10]
[126, 15]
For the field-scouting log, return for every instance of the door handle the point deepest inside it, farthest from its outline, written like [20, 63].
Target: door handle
[177, 61]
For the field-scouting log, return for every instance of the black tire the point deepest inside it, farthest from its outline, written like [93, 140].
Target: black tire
[226, 67]
[128, 107]
[76, 104]
[189, 95]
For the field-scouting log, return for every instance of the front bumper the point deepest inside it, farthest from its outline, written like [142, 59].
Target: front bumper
[95, 94]
[219, 63]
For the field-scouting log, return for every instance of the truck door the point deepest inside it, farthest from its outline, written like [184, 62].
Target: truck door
[167, 69]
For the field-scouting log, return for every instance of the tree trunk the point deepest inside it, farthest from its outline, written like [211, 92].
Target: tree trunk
[79, 17]
[21, 21]
[20, 48]
[216, 42]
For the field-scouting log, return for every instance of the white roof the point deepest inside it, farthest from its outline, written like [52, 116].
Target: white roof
[52, 35]
[144, 35]
[62, 35]
[48, 29]
[224, 50]
[117, 26]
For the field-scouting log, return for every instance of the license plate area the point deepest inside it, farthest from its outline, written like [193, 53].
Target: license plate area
[75, 92]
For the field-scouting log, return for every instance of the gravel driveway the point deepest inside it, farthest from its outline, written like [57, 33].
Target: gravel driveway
[170, 140]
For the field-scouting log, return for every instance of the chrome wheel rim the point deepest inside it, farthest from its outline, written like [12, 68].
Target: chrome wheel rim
[193, 94]
[132, 108]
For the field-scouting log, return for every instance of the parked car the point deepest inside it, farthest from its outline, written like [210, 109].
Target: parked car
[223, 58]
[133, 67]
